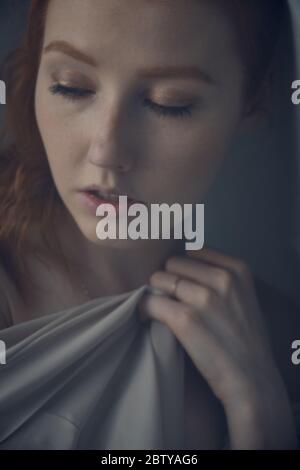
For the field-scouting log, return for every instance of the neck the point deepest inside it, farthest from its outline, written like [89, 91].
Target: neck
[112, 270]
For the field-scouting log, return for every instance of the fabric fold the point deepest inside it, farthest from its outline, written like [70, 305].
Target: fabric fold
[92, 377]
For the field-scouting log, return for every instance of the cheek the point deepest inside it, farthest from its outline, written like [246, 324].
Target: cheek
[58, 136]
[190, 157]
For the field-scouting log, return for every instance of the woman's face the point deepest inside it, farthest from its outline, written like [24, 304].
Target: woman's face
[153, 98]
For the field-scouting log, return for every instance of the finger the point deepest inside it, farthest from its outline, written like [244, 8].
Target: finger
[200, 343]
[160, 308]
[165, 281]
[180, 318]
[201, 298]
[216, 258]
[217, 278]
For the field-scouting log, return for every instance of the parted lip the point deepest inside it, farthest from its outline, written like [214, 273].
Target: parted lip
[108, 193]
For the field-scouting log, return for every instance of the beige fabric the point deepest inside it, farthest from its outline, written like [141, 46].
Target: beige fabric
[92, 377]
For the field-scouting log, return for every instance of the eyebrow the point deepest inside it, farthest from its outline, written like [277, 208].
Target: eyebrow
[185, 72]
[68, 49]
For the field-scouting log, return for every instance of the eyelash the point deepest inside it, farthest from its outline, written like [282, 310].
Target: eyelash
[75, 94]
[169, 111]
[70, 93]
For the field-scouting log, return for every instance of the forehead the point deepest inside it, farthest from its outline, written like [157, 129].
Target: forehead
[179, 30]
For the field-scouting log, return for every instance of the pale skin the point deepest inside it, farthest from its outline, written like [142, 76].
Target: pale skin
[112, 137]
[217, 319]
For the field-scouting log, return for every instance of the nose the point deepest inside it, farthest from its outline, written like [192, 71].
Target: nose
[110, 146]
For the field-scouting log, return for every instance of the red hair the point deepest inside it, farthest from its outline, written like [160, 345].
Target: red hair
[28, 196]
[29, 200]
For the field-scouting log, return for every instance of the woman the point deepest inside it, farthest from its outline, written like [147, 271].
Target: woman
[127, 97]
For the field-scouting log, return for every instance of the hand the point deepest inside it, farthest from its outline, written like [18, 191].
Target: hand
[217, 319]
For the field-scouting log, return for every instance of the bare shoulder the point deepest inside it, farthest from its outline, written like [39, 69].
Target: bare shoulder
[14, 308]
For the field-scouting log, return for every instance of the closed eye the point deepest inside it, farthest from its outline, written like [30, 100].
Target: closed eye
[171, 111]
[76, 93]
[70, 93]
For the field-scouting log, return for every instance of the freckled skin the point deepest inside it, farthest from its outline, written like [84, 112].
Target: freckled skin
[162, 140]
[85, 141]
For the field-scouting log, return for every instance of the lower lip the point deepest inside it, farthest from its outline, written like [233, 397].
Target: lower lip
[91, 202]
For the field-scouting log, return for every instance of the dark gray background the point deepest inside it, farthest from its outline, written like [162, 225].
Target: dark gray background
[251, 211]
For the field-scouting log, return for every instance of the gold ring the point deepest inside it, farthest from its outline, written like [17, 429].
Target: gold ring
[174, 286]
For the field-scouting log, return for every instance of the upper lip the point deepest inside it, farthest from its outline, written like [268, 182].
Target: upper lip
[108, 191]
